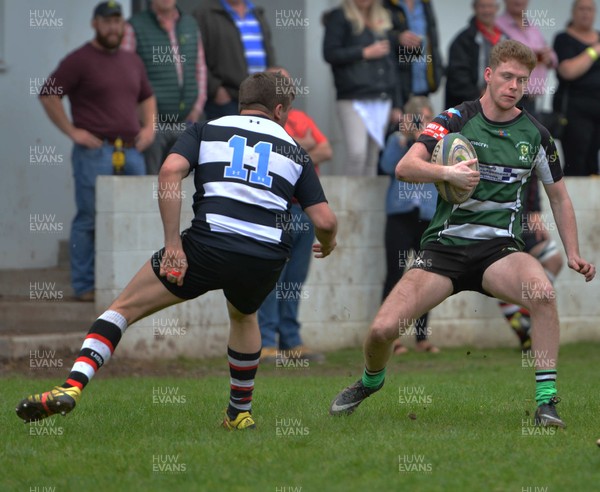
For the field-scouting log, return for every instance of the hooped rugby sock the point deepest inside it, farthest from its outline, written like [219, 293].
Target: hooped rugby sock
[242, 370]
[545, 386]
[373, 379]
[518, 318]
[98, 346]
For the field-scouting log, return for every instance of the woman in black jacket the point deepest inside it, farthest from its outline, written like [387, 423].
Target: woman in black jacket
[359, 45]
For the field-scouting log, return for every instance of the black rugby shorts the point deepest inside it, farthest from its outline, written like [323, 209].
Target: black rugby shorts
[464, 265]
[246, 280]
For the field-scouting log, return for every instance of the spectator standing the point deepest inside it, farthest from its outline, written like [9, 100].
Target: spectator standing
[419, 55]
[469, 54]
[515, 23]
[237, 42]
[409, 208]
[359, 45]
[578, 50]
[107, 89]
[278, 315]
[169, 44]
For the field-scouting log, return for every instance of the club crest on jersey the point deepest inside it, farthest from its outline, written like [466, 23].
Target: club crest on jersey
[524, 151]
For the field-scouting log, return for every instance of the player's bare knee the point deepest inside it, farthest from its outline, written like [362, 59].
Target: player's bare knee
[236, 316]
[383, 332]
[538, 293]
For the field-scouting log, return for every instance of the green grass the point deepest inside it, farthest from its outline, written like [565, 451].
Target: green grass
[467, 435]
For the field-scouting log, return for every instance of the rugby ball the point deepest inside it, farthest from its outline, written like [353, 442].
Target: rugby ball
[450, 150]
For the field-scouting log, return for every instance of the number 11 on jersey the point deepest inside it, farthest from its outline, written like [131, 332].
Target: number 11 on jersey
[236, 169]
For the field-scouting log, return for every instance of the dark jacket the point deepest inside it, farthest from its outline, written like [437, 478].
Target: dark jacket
[467, 59]
[355, 77]
[223, 48]
[435, 70]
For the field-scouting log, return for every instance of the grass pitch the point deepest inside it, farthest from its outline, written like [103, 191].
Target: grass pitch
[457, 421]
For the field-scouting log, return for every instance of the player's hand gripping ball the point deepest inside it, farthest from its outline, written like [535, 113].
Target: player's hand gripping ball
[451, 150]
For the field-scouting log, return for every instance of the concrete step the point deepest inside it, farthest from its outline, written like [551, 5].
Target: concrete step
[37, 283]
[23, 316]
[41, 349]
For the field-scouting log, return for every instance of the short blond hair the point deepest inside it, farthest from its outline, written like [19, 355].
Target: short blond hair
[512, 50]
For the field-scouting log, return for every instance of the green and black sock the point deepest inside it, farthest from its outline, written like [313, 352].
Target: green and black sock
[545, 386]
[373, 379]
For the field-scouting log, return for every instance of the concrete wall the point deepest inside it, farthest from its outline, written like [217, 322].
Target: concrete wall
[35, 158]
[342, 292]
[33, 52]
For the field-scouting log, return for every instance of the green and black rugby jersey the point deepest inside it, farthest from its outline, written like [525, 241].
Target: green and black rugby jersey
[507, 152]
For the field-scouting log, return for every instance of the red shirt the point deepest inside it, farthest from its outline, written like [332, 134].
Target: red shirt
[104, 90]
[298, 124]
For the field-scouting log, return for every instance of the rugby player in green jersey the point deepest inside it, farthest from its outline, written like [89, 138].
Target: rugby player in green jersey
[477, 245]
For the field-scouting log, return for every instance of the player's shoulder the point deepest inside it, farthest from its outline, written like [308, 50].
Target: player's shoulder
[258, 126]
[453, 119]
[467, 109]
[461, 112]
[539, 127]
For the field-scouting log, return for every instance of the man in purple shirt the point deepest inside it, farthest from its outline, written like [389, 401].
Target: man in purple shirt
[517, 25]
[106, 87]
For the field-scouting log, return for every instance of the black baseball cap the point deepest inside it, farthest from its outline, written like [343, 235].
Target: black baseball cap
[108, 9]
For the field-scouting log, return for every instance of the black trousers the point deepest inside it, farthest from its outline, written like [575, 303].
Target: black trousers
[581, 140]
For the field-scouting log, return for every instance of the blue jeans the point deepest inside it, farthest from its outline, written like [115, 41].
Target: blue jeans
[279, 312]
[88, 164]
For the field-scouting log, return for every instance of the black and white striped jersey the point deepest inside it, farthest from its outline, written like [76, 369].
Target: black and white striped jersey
[246, 171]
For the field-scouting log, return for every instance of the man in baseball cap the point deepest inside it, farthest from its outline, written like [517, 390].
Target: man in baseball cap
[108, 9]
[107, 89]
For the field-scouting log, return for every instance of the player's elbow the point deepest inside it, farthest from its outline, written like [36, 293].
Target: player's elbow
[324, 220]
[401, 170]
[326, 224]
[174, 167]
